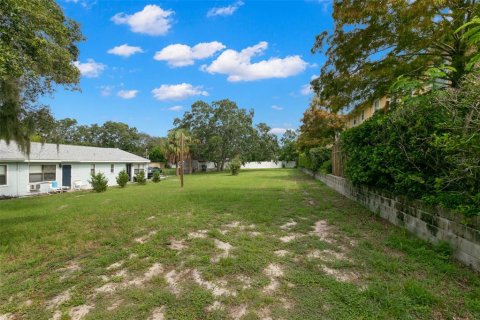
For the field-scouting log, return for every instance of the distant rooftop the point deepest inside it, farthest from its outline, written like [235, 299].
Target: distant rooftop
[50, 152]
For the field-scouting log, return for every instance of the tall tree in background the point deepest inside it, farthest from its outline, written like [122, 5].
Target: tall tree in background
[263, 145]
[318, 128]
[288, 146]
[376, 41]
[37, 51]
[223, 130]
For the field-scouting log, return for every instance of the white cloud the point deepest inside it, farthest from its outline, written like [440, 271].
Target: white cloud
[175, 108]
[105, 91]
[177, 92]
[238, 65]
[306, 89]
[127, 94]
[278, 130]
[90, 69]
[275, 107]
[225, 11]
[181, 55]
[125, 50]
[84, 3]
[152, 20]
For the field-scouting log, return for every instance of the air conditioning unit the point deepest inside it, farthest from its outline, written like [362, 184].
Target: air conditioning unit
[35, 187]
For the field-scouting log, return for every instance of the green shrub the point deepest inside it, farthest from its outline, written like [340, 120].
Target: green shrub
[318, 156]
[156, 176]
[140, 178]
[99, 182]
[427, 147]
[326, 167]
[315, 158]
[122, 178]
[304, 161]
[234, 166]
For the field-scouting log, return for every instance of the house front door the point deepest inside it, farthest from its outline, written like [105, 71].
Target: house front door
[129, 171]
[67, 176]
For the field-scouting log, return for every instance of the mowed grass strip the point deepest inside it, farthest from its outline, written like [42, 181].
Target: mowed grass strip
[264, 244]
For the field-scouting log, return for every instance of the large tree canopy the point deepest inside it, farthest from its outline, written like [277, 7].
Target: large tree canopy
[376, 41]
[37, 51]
[224, 131]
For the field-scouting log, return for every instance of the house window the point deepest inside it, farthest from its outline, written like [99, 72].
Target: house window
[3, 175]
[354, 121]
[92, 169]
[363, 115]
[112, 168]
[138, 168]
[41, 173]
[377, 104]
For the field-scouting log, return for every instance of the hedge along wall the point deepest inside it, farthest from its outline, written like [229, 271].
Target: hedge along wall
[430, 224]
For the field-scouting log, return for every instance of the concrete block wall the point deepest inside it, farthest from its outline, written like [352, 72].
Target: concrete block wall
[428, 223]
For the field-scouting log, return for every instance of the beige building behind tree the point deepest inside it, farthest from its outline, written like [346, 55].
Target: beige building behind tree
[364, 111]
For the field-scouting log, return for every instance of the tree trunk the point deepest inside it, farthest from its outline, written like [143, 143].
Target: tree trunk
[190, 163]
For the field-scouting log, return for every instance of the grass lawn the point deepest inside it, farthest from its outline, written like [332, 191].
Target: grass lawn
[269, 244]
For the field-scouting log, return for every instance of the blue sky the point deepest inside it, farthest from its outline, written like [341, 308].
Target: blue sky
[145, 62]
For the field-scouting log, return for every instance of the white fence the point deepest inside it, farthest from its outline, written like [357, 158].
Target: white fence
[210, 166]
[269, 165]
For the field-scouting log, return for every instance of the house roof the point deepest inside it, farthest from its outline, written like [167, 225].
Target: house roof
[50, 152]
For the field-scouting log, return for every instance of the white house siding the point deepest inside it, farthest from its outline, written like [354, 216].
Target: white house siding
[17, 178]
[81, 172]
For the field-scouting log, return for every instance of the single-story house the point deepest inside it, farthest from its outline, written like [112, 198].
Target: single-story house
[62, 166]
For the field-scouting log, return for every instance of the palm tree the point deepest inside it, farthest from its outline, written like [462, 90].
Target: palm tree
[174, 150]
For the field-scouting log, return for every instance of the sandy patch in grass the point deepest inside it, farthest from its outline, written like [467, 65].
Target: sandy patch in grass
[281, 253]
[235, 225]
[199, 234]
[340, 275]
[173, 279]
[291, 237]
[146, 237]
[177, 245]
[254, 233]
[155, 270]
[115, 305]
[311, 202]
[290, 224]
[69, 269]
[132, 256]
[63, 206]
[287, 304]
[245, 281]
[215, 306]
[323, 231]
[58, 300]
[57, 315]
[79, 312]
[151, 218]
[216, 288]
[265, 313]
[7, 316]
[116, 265]
[273, 272]
[225, 247]
[237, 312]
[158, 313]
[327, 255]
